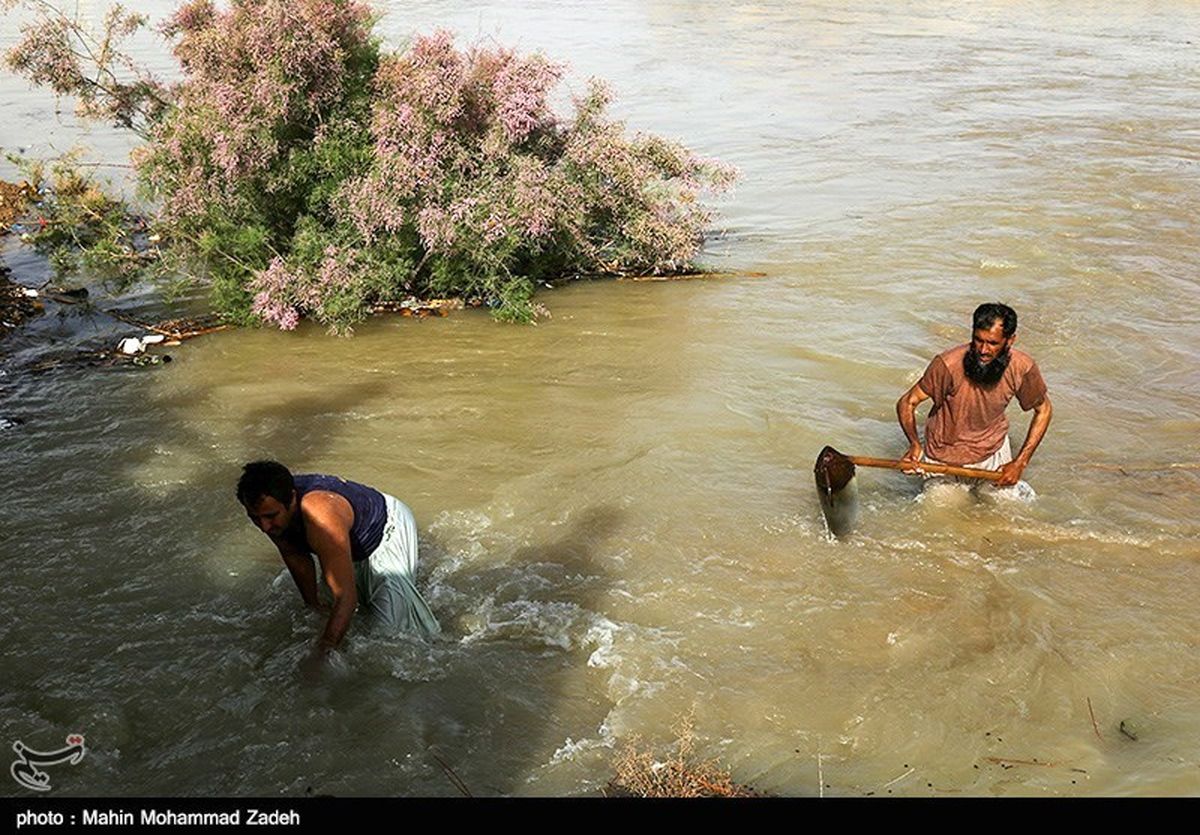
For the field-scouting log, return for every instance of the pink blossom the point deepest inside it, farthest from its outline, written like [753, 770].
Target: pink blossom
[189, 17]
[269, 310]
[436, 228]
[520, 88]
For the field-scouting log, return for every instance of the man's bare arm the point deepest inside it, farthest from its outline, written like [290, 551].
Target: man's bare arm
[906, 412]
[327, 521]
[1011, 472]
[303, 572]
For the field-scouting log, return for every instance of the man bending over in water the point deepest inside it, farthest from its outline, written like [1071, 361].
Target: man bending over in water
[365, 542]
[971, 386]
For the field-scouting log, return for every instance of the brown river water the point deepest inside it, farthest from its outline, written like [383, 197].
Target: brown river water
[616, 507]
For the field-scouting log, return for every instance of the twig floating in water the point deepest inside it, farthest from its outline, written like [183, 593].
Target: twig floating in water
[458, 784]
[1011, 761]
[690, 275]
[1095, 727]
[172, 329]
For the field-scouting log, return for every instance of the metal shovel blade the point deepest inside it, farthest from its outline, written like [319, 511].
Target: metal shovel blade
[836, 490]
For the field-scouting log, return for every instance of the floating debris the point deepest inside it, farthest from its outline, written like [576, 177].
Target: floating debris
[16, 304]
[137, 344]
[691, 276]
[173, 331]
[14, 200]
[420, 308]
[67, 295]
[85, 358]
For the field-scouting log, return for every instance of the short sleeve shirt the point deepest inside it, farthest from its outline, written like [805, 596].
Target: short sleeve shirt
[967, 422]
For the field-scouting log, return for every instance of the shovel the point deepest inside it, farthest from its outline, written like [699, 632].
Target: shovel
[839, 494]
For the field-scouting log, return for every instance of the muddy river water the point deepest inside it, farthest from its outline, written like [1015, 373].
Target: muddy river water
[616, 507]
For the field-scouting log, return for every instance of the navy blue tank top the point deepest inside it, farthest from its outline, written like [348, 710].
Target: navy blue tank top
[370, 511]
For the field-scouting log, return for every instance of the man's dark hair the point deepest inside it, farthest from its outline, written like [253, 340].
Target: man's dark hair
[988, 314]
[265, 478]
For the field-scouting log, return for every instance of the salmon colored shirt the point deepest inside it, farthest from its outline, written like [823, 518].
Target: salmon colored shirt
[967, 423]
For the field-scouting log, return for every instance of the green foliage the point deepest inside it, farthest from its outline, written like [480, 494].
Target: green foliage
[80, 226]
[303, 171]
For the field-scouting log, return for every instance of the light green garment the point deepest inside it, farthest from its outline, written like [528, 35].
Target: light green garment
[385, 580]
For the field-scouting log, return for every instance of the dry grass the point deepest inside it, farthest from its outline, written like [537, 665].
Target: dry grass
[14, 199]
[640, 774]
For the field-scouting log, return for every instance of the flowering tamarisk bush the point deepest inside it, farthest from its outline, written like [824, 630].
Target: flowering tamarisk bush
[306, 172]
[239, 165]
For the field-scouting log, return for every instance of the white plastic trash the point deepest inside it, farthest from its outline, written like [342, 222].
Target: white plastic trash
[131, 345]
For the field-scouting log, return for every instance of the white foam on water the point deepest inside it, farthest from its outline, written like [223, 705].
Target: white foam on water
[622, 688]
[733, 617]
[1057, 533]
[602, 634]
[571, 748]
[464, 538]
[943, 493]
[1022, 492]
[577, 751]
[996, 265]
[909, 545]
[454, 522]
[556, 624]
[789, 523]
[404, 657]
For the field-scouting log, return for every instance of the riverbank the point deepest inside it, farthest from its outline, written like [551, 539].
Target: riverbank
[16, 306]
[104, 336]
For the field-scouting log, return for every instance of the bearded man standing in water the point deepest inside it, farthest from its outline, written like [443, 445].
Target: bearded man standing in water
[365, 542]
[971, 386]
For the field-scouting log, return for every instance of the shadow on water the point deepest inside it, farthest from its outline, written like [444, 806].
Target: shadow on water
[153, 619]
[121, 629]
[517, 685]
[582, 582]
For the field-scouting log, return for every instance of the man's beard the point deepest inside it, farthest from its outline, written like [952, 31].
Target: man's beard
[985, 374]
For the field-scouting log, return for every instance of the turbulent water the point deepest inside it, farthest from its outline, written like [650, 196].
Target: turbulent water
[617, 511]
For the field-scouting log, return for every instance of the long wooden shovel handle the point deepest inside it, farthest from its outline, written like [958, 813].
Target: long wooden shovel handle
[926, 466]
